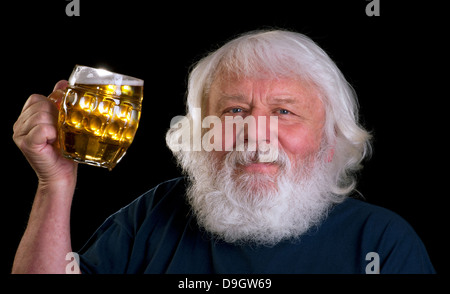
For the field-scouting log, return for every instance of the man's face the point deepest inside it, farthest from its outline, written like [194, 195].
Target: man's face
[299, 110]
[239, 197]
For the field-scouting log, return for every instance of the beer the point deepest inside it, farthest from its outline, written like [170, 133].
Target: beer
[97, 122]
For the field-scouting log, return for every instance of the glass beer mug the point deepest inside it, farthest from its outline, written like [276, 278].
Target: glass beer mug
[99, 116]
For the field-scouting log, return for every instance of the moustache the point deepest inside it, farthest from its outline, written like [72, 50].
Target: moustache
[268, 154]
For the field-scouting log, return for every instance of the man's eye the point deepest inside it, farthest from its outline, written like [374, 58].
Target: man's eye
[236, 110]
[284, 111]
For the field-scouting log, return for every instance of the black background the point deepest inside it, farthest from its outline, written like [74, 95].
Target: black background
[393, 61]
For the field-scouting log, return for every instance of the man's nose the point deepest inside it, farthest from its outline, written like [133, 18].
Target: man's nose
[263, 132]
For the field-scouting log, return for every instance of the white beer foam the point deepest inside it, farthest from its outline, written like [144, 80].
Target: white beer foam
[91, 76]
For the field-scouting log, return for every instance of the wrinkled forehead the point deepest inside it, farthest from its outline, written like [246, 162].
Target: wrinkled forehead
[256, 71]
[263, 86]
[232, 82]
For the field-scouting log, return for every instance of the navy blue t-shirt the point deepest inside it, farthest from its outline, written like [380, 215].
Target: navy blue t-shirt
[157, 233]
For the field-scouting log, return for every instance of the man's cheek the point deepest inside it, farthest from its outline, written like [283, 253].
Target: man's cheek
[298, 144]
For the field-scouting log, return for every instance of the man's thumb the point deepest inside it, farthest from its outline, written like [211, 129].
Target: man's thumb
[61, 85]
[58, 93]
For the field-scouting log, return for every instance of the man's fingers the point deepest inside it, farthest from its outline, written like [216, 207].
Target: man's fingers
[36, 103]
[40, 136]
[37, 111]
[33, 99]
[36, 118]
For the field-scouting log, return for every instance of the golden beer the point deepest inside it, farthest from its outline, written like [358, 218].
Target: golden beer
[97, 123]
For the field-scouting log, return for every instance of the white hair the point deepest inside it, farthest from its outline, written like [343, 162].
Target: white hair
[287, 54]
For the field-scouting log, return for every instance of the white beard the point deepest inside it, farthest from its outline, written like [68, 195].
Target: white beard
[256, 208]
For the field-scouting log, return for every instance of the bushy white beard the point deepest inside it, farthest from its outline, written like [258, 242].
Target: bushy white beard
[257, 208]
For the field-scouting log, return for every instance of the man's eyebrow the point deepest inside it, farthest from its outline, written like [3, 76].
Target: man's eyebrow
[276, 99]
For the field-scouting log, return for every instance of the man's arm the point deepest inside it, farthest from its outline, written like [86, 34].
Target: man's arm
[46, 240]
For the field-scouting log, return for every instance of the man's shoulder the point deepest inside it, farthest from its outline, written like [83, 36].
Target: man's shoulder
[166, 195]
[175, 187]
[377, 229]
[359, 208]
[366, 217]
[168, 185]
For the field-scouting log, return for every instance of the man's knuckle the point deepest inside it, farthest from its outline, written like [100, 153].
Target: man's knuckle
[43, 117]
[34, 98]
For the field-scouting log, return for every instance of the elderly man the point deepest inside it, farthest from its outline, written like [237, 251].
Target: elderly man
[268, 190]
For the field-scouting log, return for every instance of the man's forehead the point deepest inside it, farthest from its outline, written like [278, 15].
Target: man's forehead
[277, 90]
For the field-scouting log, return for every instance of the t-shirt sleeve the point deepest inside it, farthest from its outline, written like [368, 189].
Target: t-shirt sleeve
[402, 251]
[108, 250]
[110, 247]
